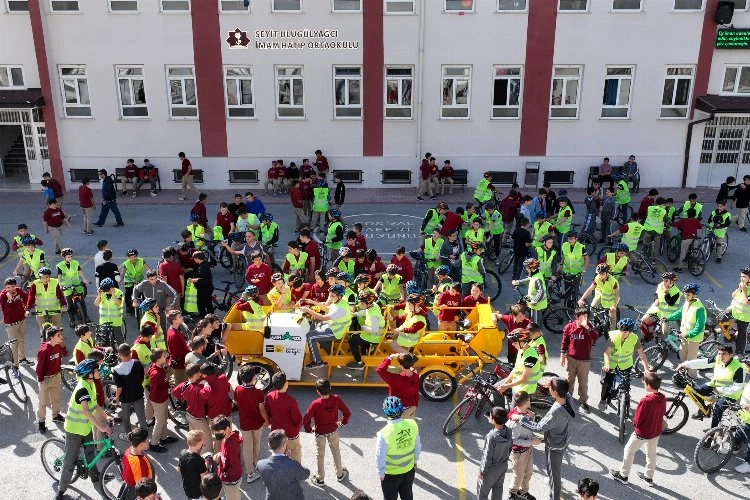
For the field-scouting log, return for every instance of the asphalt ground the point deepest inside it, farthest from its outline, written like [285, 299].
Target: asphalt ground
[448, 466]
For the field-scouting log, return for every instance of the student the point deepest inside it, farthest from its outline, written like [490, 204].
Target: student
[135, 464]
[158, 394]
[339, 194]
[192, 465]
[128, 376]
[322, 418]
[54, 218]
[283, 413]
[403, 385]
[146, 488]
[107, 269]
[522, 455]
[48, 374]
[253, 418]
[211, 486]
[229, 458]
[218, 402]
[195, 392]
[203, 281]
[588, 489]
[84, 345]
[71, 278]
[521, 245]
[495, 455]
[177, 345]
[397, 451]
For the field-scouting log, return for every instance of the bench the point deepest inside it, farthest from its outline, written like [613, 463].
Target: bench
[197, 176]
[395, 176]
[77, 174]
[243, 177]
[593, 175]
[119, 177]
[349, 176]
[559, 177]
[461, 178]
[504, 178]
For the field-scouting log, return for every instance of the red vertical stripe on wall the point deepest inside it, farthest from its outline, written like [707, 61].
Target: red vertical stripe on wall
[537, 79]
[50, 120]
[209, 77]
[372, 78]
[705, 52]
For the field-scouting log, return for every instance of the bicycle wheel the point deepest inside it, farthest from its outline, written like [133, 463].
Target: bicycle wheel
[52, 455]
[715, 449]
[505, 263]
[623, 411]
[458, 417]
[706, 248]
[176, 412]
[111, 478]
[708, 349]
[556, 318]
[674, 247]
[492, 285]
[696, 262]
[69, 379]
[110, 391]
[489, 250]
[78, 311]
[4, 248]
[651, 270]
[590, 243]
[540, 407]
[676, 416]
[16, 383]
[225, 258]
[420, 277]
[238, 272]
[656, 355]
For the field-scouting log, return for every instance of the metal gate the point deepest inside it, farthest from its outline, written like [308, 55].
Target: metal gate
[34, 138]
[725, 150]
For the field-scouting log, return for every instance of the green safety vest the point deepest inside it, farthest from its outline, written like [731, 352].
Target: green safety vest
[76, 421]
[218, 233]
[373, 338]
[433, 222]
[670, 214]
[573, 259]
[633, 235]
[191, 298]
[541, 229]
[444, 285]
[254, 318]
[720, 232]
[664, 308]
[69, 277]
[745, 400]
[320, 199]
[537, 280]
[109, 312]
[391, 288]
[252, 220]
[467, 222]
[144, 356]
[616, 265]
[20, 246]
[698, 208]
[622, 193]
[535, 343]
[346, 267]
[46, 300]
[266, 232]
[150, 317]
[564, 227]
[475, 236]
[134, 272]
[432, 252]
[483, 193]
[331, 233]
[622, 353]
[400, 439]
[740, 310]
[341, 325]
[33, 260]
[411, 339]
[82, 346]
[297, 263]
[605, 291]
[688, 319]
[196, 234]
[545, 260]
[495, 222]
[470, 269]
[724, 376]
[655, 219]
[536, 373]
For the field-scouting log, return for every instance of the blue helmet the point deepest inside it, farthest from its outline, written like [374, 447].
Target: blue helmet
[251, 290]
[542, 214]
[618, 177]
[266, 217]
[412, 287]
[692, 287]
[443, 270]
[344, 277]
[320, 183]
[627, 324]
[44, 271]
[621, 247]
[338, 290]
[392, 407]
[106, 284]
[562, 192]
[195, 218]
[86, 367]
[572, 234]
[147, 304]
[27, 240]
[335, 213]
[133, 251]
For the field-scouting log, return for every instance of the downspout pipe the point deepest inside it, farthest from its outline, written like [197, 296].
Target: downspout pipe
[420, 76]
[688, 141]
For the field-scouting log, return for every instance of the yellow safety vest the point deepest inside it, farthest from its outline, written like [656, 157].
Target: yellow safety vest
[254, 319]
[433, 222]
[622, 353]
[391, 288]
[411, 339]
[21, 247]
[663, 308]
[367, 335]
[473, 236]
[297, 263]
[655, 219]
[46, 300]
[698, 208]
[495, 222]
[333, 245]
[720, 232]
[69, 277]
[144, 356]
[432, 252]
[536, 373]
[573, 259]
[134, 272]
[347, 267]
[109, 312]
[320, 199]
[482, 192]
[605, 290]
[401, 440]
[266, 232]
[622, 194]
[150, 317]
[75, 420]
[633, 235]
[82, 346]
[470, 269]
[744, 401]
[34, 260]
[341, 325]
[196, 234]
[565, 213]
[541, 229]
[616, 265]
[545, 260]
[537, 280]
[689, 319]
[740, 310]
[724, 376]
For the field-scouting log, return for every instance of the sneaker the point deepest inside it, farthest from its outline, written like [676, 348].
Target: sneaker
[98, 225]
[433, 197]
[168, 440]
[3, 381]
[42, 428]
[648, 480]
[678, 269]
[317, 481]
[89, 233]
[153, 193]
[743, 468]
[181, 198]
[344, 472]
[420, 198]
[26, 361]
[697, 416]
[157, 448]
[135, 194]
[619, 477]
[585, 408]
[252, 477]
[528, 496]
[743, 229]
[58, 418]
[314, 365]
[355, 366]
[718, 260]
[124, 193]
[602, 405]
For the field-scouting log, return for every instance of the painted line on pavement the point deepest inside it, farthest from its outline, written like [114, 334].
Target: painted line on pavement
[626, 280]
[714, 281]
[460, 479]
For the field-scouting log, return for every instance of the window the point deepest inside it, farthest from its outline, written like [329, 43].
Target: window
[183, 101]
[286, 5]
[566, 81]
[11, 77]
[455, 103]
[238, 84]
[736, 80]
[123, 5]
[635, 5]
[678, 87]
[233, 6]
[131, 89]
[459, 6]
[398, 85]
[740, 4]
[64, 5]
[347, 6]
[506, 92]
[17, 5]
[618, 83]
[399, 6]
[688, 4]
[75, 91]
[175, 5]
[347, 88]
[573, 6]
[511, 5]
[290, 102]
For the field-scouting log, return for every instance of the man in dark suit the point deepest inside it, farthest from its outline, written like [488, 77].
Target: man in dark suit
[280, 474]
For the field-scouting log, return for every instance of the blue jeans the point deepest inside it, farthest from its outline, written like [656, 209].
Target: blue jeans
[106, 207]
[739, 438]
[719, 407]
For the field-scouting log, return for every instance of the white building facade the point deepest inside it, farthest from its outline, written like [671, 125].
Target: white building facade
[489, 84]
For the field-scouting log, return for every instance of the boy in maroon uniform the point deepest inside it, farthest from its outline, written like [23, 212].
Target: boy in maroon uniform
[229, 457]
[253, 418]
[48, 363]
[283, 412]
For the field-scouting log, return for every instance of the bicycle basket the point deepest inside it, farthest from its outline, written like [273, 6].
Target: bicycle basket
[6, 356]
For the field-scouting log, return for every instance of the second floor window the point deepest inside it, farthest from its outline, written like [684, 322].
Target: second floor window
[238, 83]
[131, 90]
[183, 102]
[347, 84]
[11, 77]
[736, 80]
[678, 88]
[506, 92]
[75, 91]
[456, 92]
[398, 85]
[290, 94]
[618, 83]
[566, 82]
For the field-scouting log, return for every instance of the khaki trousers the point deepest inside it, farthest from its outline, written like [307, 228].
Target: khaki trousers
[523, 468]
[55, 319]
[232, 491]
[56, 233]
[187, 183]
[741, 214]
[17, 331]
[300, 217]
[410, 412]
[684, 250]
[49, 393]
[634, 444]
[160, 428]
[88, 214]
[689, 351]
[444, 181]
[294, 447]
[447, 326]
[333, 444]
[579, 370]
[201, 424]
[147, 403]
[251, 448]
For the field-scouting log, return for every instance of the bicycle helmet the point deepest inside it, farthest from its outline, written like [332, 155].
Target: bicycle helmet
[344, 251]
[490, 206]
[320, 183]
[442, 206]
[195, 218]
[371, 254]
[266, 217]
[251, 290]
[106, 284]
[548, 237]
[46, 271]
[338, 290]
[132, 251]
[362, 278]
[415, 298]
[618, 177]
[745, 360]
[366, 296]
[531, 264]
[27, 240]
[332, 272]
[65, 252]
[87, 367]
[443, 270]
[391, 269]
[487, 174]
[335, 213]
[276, 277]
[692, 287]
[412, 287]
[627, 324]
[602, 268]
[147, 304]
[745, 271]
[669, 276]
[392, 407]
[572, 234]
[10, 281]
[519, 335]
[542, 215]
[621, 247]
[562, 192]
[344, 277]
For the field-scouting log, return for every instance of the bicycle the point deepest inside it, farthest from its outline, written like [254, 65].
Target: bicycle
[220, 256]
[695, 258]
[228, 299]
[677, 411]
[77, 299]
[12, 373]
[709, 245]
[622, 215]
[555, 319]
[238, 270]
[657, 354]
[717, 446]
[53, 457]
[491, 287]
[47, 319]
[4, 249]
[560, 290]
[621, 393]
[719, 322]
[587, 240]
[322, 250]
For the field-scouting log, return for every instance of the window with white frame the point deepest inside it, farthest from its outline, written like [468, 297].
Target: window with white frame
[17, 5]
[456, 92]
[618, 84]
[290, 93]
[75, 91]
[131, 89]
[123, 5]
[678, 89]
[688, 4]
[64, 5]
[399, 6]
[736, 80]
[347, 89]
[506, 92]
[511, 5]
[183, 102]
[238, 85]
[566, 84]
[620, 5]
[174, 5]
[573, 5]
[398, 88]
[11, 77]
[458, 5]
[740, 4]
[233, 6]
[346, 5]
[286, 5]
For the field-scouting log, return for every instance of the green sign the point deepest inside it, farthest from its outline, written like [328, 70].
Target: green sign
[733, 39]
